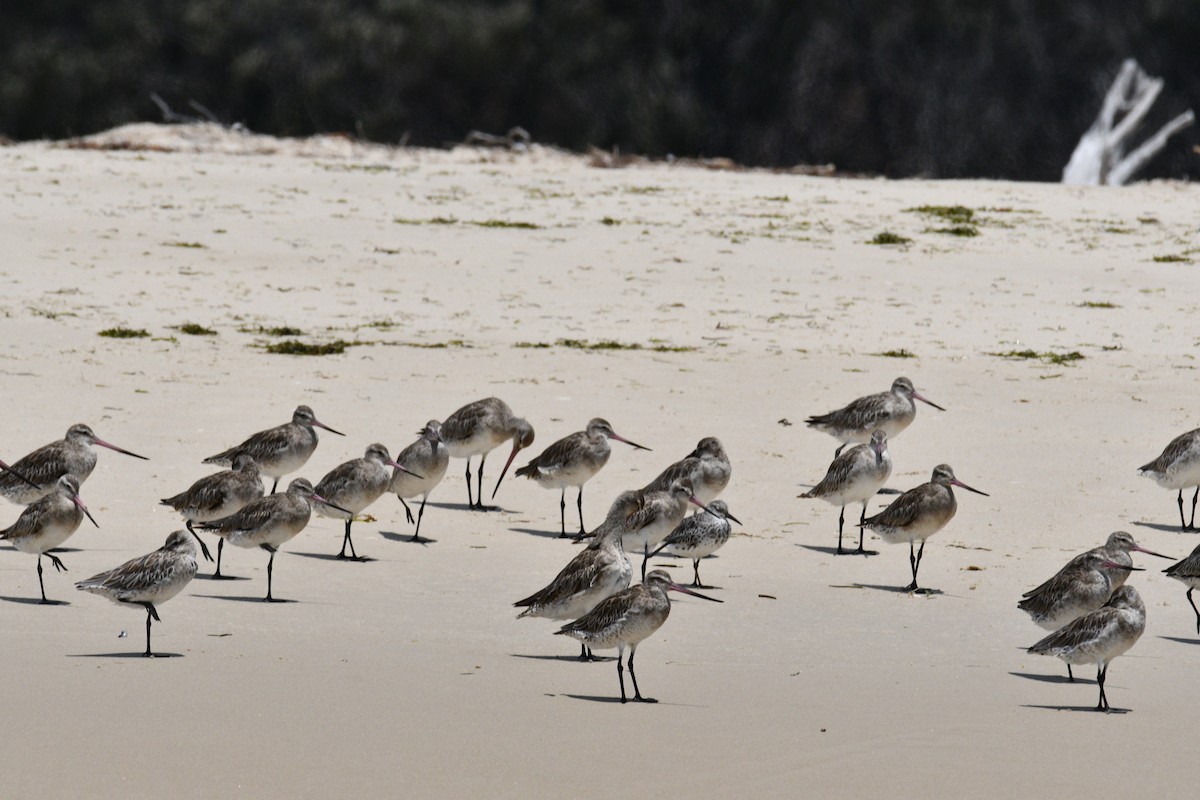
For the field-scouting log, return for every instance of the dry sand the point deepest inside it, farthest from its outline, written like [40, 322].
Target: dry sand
[408, 675]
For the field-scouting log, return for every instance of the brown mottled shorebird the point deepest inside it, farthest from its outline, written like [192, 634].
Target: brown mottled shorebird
[350, 487]
[71, 455]
[1187, 572]
[891, 411]
[48, 522]
[699, 536]
[598, 571]
[477, 429]
[426, 456]
[1099, 636]
[625, 619]
[1178, 467]
[918, 514]
[707, 467]
[658, 514]
[573, 461]
[150, 580]
[280, 450]
[268, 522]
[217, 496]
[1080, 587]
[855, 476]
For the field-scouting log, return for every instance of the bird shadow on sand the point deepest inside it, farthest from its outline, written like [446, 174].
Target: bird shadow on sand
[893, 589]
[34, 601]
[543, 534]
[465, 507]
[210, 577]
[332, 557]
[64, 550]
[1158, 526]
[243, 598]
[406, 538]
[1050, 678]
[1179, 639]
[138, 655]
[573, 659]
[833, 551]
[592, 698]
[1087, 709]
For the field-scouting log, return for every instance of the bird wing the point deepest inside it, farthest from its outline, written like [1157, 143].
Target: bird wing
[139, 574]
[612, 612]
[264, 446]
[463, 423]
[684, 468]
[43, 466]
[859, 414]
[903, 511]
[253, 515]
[838, 472]
[30, 520]
[1090, 627]
[1170, 454]
[554, 456]
[577, 576]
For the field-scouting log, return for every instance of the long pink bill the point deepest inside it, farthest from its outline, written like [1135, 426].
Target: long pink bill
[7, 468]
[516, 449]
[961, 485]
[1115, 565]
[693, 499]
[1141, 549]
[403, 469]
[676, 587]
[634, 445]
[77, 500]
[103, 443]
[930, 402]
[325, 427]
[323, 501]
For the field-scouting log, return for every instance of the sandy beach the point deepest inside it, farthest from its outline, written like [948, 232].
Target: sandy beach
[754, 300]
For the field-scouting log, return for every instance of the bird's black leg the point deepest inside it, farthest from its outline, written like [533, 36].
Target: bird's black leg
[1193, 602]
[151, 613]
[1101, 674]
[637, 695]
[199, 541]
[40, 584]
[217, 576]
[579, 505]
[862, 518]
[696, 569]
[562, 514]
[645, 558]
[416, 537]
[1070, 675]
[1192, 524]
[920, 552]
[270, 569]
[407, 511]
[479, 485]
[470, 499]
[912, 563]
[58, 564]
[274, 486]
[1182, 521]
[584, 653]
[346, 540]
[621, 672]
[841, 522]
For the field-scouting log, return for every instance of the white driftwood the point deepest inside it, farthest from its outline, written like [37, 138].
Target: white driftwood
[1099, 158]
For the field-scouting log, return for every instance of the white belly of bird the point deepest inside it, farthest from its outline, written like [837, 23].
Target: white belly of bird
[1184, 474]
[574, 474]
[919, 531]
[649, 536]
[626, 630]
[860, 488]
[48, 538]
[482, 442]
[408, 486]
[354, 498]
[1066, 612]
[273, 535]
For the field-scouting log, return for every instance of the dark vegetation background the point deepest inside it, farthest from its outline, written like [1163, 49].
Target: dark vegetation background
[939, 88]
